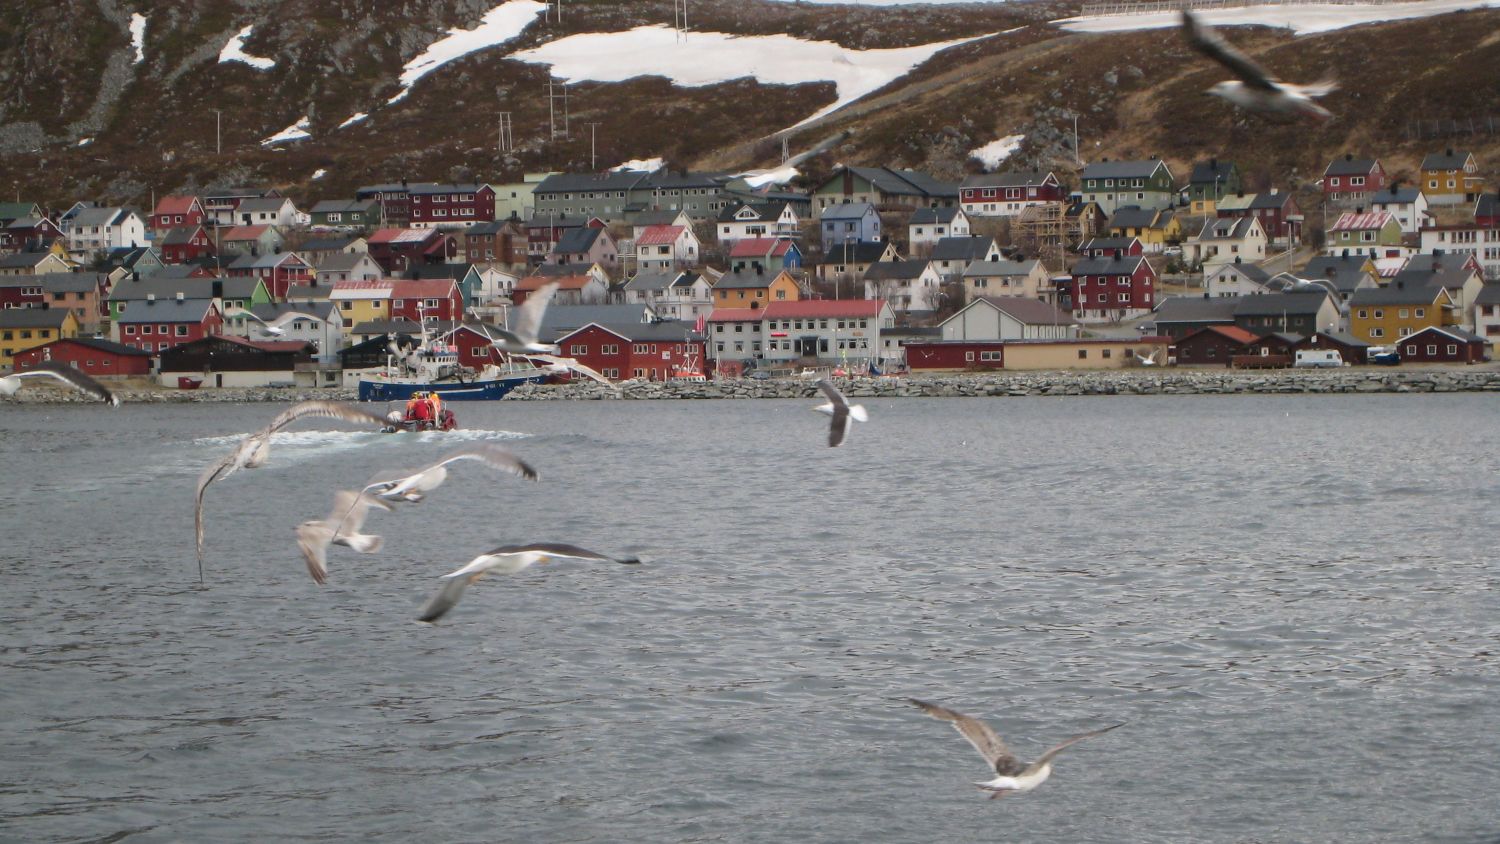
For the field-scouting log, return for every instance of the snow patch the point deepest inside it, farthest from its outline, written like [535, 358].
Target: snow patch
[138, 37]
[295, 132]
[1301, 20]
[498, 26]
[318, 174]
[779, 176]
[357, 117]
[710, 58]
[994, 152]
[643, 165]
[85, 142]
[234, 51]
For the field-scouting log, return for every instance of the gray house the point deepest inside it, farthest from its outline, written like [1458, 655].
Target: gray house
[849, 222]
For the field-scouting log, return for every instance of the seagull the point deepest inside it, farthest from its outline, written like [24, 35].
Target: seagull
[1255, 90]
[841, 410]
[314, 536]
[275, 327]
[560, 365]
[255, 449]
[9, 384]
[413, 487]
[507, 559]
[1011, 774]
[522, 340]
[1149, 360]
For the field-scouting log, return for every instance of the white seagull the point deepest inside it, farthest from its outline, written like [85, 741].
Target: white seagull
[1011, 774]
[415, 485]
[314, 536]
[560, 365]
[62, 372]
[253, 451]
[844, 414]
[1255, 90]
[275, 327]
[522, 339]
[1149, 360]
[507, 559]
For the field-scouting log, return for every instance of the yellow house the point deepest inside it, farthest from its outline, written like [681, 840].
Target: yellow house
[1383, 315]
[362, 301]
[1084, 354]
[1154, 227]
[1451, 178]
[27, 328]
[754, 290]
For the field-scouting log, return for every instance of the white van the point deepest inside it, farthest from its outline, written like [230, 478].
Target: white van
[1318, 358]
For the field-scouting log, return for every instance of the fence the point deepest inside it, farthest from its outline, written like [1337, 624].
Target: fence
[1424, 129]
[1146, 7]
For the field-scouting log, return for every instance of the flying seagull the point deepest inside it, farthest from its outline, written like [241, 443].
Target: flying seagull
[1011, 774]
[314, 536]
[841, 410]
[275, 327]
[62, 372]
[507, 559]
[1255, 90]
[253, 451]
[522, 339]
[560, 365]
[1149, 360]
[413, 487]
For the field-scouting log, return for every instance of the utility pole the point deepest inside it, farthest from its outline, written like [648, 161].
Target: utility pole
[552, 97]
[593, 126]
[550, 4]
[680, 16]
[1077, 153]
[506, 137]
[218, 133]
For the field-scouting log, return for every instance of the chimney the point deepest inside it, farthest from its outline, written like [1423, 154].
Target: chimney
[1328, 272]
[1348, 156]
[150, 297]
[218, 289]
[1213, 163]
[1437, 263]
[1400, 285]
[1450, 152]
[179, 295]
[135, 275]
[1118, 254]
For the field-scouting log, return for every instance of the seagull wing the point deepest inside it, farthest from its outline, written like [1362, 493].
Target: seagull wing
[72, 377]
[838, 426]
[211, 474]
[529, 315]
[978, 733]
[573, 364]
[334, 409]
[290, 316]
[1058, 748]
[494, 456]
[446, 598]
[832, 393]
[313, 538]
[1208, 42]
[558, 549]
[231, 313]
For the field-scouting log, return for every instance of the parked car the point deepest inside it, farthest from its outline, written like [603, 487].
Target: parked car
[1318, 358]
[1389, 357]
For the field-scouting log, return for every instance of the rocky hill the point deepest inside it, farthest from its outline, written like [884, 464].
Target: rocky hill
[85, 113]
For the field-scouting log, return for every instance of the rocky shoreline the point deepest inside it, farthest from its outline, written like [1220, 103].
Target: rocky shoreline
[1131, 382]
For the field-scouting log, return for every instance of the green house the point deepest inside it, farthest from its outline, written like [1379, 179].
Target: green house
[345, 214]
[1211, 181]
[1111, 184]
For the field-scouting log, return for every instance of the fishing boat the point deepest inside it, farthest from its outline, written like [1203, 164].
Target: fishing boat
[433, 367]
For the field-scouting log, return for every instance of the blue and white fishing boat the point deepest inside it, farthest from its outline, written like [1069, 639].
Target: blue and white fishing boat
[433, 367]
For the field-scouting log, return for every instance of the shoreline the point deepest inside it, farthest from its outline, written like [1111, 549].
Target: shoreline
[1133, 382]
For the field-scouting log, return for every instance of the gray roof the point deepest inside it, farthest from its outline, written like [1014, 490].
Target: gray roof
[69, 282]
[22, 260]
[1488, 205]
[1208, 172]
[424, 188]
[1123, 265]
[1350, 166]
[342, 262]
[386, 326]
[236, 287]
[961, 248]
[933, 216]
[858, 252]
[614, 181]
[1345, 339]
[181, 234]
[166, 310]
[340, 206]
[32, 317]
[1447, 160]
[558, 320]
[1124, 169]
[1233, 228]
[1009, 179]
[1000, 268]
[324, 309]
[1259, 275]
[577, 240]
[651, 280]
[97, 216]
[326, 244]
[1395, 195]
[1109, 244]
[1451, 331]
[260, 204]
[661, 331]
[654, 217]
[1488, 295]
[162, 287]
[1029, 311]
[1195, 309]
[1136, 217]
[902, 182]
[127, 256]
[107, 346]
[744, 279]
[847, 211]
[1447, 270]
[1276, 304]
[1269, 200]
[896, 270]
[763, 211]
[485, 228]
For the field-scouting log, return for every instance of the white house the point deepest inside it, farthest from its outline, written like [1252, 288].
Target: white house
[266, 211]
[927, 226]
[1468, 239]
[1236, 279]
[667, 248]
[911, 286]
[1008, 194]
[757, 219]
[347, 266]
[672, 294]
[325, 330]
[1008, 318]
[1006, 278]
[1407, 205]
[1225, 241]
[91, 230]
[843, 331]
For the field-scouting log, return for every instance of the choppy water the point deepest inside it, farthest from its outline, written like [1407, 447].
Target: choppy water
[1291, 601]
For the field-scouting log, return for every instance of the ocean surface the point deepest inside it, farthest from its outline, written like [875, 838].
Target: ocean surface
[1290, 602]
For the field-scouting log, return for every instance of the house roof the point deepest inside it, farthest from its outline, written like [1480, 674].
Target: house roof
[1008, 179]
[1488, 205]
[1001, 268]
[94, 216]
[1351, 221]
[425, 188]
[362, 289]
[22, 260]
[386, 326]
[763, 211]
[1259, 275]
[1122, 265]
[1446, 270]
[563, 319]
[1395, 195]
[166, 310]
[745, 280]
[1233, 332]
[269, 346]
[1136, 217]
[343, 262]
[1233, 228]
[737, 315]
[651, 280]
[1214, 170]
[1237, 201]
[70, 282]
[1343, 339]
[1027, 311]
[242, 233]
[12, 210]
[897, 270]
[577, 240]
[1451, 331]
[848, 211]
[33, 317]
[761, 247]
[179, 235]
[973, 248]
[325, 309]
[575, 281]
[340, 206]
[896, 182]
[107, 346]
[1123, 169]
[1270, 199]
[456, 272]
[1194, 309]
[129, 256]
[1275, 304]
[327, 244]
[401, 236]
[659, 236]
[1393, 294]
[1488, 295]
[175, 204]
[655, 217]
[622, 180]
[1110, 244]
[934, 216]
[1447, 160]
[423, 288]
[261, 205]
[857, 252]
[820, 308]
[1350, 166]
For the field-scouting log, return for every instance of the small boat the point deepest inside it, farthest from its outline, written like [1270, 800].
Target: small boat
[424, 411]
[187, 382]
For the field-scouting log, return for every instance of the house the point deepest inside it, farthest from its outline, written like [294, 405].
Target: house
[1081, 220]
[134, 289]
[384, 329]
[516, 199]
[1443, 344]
[666, 248]
[349, 214]
[1025, 278]
[1349, 181]
[1236, 279]
[951, 256]
[33, 263]
[433, 205]
[325, 333]
[1302, 312]
[768, 254]
[399, 250]
[91, 231]
[1213, 345]
[346, 266]
[159, 324]
[927, 226]
[1347, 273]
[1276, 343]
[578, 288]
[12, 211]
[1407, 205]
[316, 250]
[1032, 355]
[220, 206]
[278, 271]
[176, 212]
[886, 188]
[1457, 273]
[1487, 316]
[1178, 316]
[1115, 288]
[847, 263]
[1382, 315]
[89, 355]
[427, 300]
[1108, 247]
[672, 294]
[560, 320]
[1477, 241]
[496, 241]
[234, 241]
[1373, 233]
[1353, 350]
[184, 244]
[141, 260]
[236, 362]
[616, 195]
[1008, 194]
[482, 285]
[745, 220]
[1153, 227]
[27, 328]
[1451, 178]
[1280, 216]
[1209, 182]
[848, 222]
[1111, 184]
[393, 200]
[648, 351]
[1487, 210]
[824, 330]
[32, 234]
[912, 286]
[266, 211]
[23, 291]
[362, 301]
[585, 245]
[1008, 318]
[754, 289]
[543, 231]
[648, 217]
[82, 293]
[1224, 242]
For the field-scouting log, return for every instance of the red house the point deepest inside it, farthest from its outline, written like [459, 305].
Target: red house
[427, 299]
[29, 234]
[1006, 194]
[398, 250]
[955, 355]
[1351, 181]
[1447, 344]
[652, 351]
[473, 345]
[1213, 345]
[160, 324]
[544, 231]
[279, 271]
[21, 291]
[1487, 211]
[86, 354]
[1117, 287]
[450, 205]
[500, 241]
[174, 212]
[1106, 247]
[185, 244]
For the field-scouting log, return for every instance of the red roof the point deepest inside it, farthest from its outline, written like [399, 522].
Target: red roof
[803, 308]
[175, 204]
[737, 315]
[756, 247]
[1367, 220]
[266, 345]
[423, 288]
[564, 282]
[659, 236]
[400, 236]
[1233, 332]
[243, 233]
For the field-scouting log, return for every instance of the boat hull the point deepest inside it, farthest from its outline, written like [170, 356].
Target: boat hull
[384, 391]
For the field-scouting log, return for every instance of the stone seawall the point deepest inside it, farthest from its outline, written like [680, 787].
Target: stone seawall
[1129, 382]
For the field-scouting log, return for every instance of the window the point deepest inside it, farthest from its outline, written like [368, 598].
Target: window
[969, 357]
[1452, 349]
[1404, 313]
[1363, 314]
[182, 331]
[576, 350]
[1379, 314]
[990, 357]
[1377, 332]
[1432, 349]
[1083, 354]
[1420, 312]
[129, 329]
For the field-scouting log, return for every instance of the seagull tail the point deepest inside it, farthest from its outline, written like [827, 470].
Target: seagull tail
[365, 543]
[858, 412]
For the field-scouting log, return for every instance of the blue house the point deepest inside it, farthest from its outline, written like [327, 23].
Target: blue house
[853, 222]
